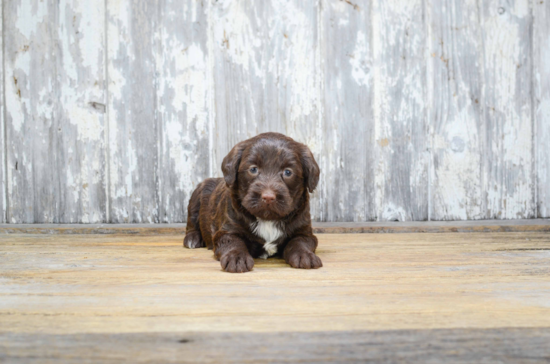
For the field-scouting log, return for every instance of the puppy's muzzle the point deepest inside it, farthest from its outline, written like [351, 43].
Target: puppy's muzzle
[268, 197]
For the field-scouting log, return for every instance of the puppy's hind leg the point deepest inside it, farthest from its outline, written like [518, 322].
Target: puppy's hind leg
[193, 238]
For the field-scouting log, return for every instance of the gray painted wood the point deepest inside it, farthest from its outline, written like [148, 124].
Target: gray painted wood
[133, 120]
[81, 103]
[183, 103]
[415, 110]
[400, 110]
[348, 156]
[266, 54]
[54, 84]
[31, 113]
[508, 167]
[4, 196]
[541, 78]
[455, 86]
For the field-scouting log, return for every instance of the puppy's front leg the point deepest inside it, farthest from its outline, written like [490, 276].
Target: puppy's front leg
[300, 253]
[233, 254]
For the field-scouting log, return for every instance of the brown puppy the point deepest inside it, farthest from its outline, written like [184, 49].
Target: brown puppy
[261, 206]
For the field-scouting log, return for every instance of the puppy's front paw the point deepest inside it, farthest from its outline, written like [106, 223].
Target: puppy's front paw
[304, 259]
[193, 240]
[237, 262]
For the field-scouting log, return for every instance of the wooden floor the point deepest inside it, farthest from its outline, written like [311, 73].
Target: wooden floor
[458, 297]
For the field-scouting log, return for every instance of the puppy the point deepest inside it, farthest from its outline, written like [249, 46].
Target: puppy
[261, 206]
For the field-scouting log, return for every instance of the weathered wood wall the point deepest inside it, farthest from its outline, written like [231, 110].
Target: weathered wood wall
[114, 110]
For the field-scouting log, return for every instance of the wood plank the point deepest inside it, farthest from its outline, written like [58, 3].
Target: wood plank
[538, 225]
[54, 111]
[3, 191]
[133, 122]
[508, 345]
[54, 284]
[33, 181]
[541, 78]
[508, 168]
[183, 100]
[401, 125]
[266, 74]
[81, 150]
[348, 155]
[456, 117]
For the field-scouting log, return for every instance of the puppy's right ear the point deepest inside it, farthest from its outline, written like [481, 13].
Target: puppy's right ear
[230, 164]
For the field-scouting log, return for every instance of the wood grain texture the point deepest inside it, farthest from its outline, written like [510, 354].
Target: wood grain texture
[4, 196]
[400, 113]
[348, 160]
[183, 101]
[457, 124]
[541, 78]
[266, 53]
[33, 184]
[108, 284]
[508, 345]
[508, 168]
[54, 70]
[133, 121]
[80, 131]
[415, 110]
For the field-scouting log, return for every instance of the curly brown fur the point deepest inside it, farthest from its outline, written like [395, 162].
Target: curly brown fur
[264, 194]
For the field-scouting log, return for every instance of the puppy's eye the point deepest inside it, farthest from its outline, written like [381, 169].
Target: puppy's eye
[288, 173]
[253, 170]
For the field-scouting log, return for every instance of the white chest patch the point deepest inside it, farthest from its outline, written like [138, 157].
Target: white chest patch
[269, 231]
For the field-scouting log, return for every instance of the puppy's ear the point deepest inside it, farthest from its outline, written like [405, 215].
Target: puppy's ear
[230, 164]
[311, 169]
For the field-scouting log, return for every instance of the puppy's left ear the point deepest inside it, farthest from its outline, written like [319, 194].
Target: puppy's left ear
[311, 169]
[230, 164]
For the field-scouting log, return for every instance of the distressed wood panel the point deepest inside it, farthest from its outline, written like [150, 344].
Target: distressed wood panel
[4, 197]
[81, 141]
[133, 122]
[414, 109]
[33, 184]
[266, 73]
[456, 120]
[541, 70]
[54, 90]
[348, 134]
[508, 168]
[400, 113]
[183, 100]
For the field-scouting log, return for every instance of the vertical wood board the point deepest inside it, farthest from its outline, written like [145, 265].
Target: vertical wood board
[348, 133]
[31, 114]
[3, 191]
[541, 78]
[266, 73]
[508, 168]
[54, 95]
[400, 110]
[456, 120]
[183, 100]
[133, 123]
[81, 112]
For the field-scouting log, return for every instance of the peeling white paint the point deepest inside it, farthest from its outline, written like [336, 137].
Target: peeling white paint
[359, 60]
[215, 73]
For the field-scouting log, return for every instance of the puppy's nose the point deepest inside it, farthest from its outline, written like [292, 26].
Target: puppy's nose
[268, 197]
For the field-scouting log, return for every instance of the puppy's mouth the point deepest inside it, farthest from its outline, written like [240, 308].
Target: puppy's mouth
[267, 206]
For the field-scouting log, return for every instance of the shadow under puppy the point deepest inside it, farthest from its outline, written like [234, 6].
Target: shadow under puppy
[261, 206]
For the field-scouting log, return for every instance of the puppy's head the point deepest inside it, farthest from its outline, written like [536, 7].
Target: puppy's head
[270, 174]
